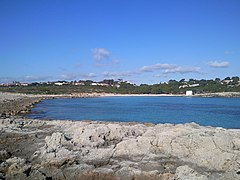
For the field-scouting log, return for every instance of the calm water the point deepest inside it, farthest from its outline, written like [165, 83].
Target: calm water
[222, 112]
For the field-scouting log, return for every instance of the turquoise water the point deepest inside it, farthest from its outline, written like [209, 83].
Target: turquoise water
[220, 112]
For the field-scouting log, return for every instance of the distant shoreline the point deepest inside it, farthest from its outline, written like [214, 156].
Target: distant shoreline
[140, 95]
[222, 94]
[15, 103]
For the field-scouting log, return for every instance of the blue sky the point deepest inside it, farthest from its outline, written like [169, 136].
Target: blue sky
[144, 41]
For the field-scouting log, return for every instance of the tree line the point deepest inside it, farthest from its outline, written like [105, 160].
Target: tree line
[229, 84]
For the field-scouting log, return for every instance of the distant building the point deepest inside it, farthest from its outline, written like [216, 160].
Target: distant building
[103, 84]
[78, 83]
[58, 83]
[94, 84]
[183, 86]
[188, 85]
[24, 84]
[117, 86]
[194, 85]
[189, 93]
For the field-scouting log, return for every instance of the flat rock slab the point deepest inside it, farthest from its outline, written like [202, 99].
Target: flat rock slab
[38, 149]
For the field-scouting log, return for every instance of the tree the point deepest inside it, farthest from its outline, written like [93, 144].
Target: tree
[235, 80]
[108, 81]
[218, 79]
[182, 80]
[192, 81]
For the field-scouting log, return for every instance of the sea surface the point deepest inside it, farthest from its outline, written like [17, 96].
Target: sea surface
[218, 112]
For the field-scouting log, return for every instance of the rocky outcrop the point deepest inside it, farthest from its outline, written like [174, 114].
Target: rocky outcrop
[220, 94]
[105, 150]
[13, 103]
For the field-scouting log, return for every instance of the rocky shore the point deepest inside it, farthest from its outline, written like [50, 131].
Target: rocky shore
[13, 104]
[222, 94]
[41, 149]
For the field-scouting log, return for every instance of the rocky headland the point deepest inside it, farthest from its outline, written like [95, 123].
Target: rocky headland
[41, 149]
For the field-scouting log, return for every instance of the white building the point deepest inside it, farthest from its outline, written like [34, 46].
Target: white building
[193, 85]
[58, 83]
[189, 93]
[94, 84]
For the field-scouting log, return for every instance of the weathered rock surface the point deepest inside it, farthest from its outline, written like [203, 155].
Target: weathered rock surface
[105, 150]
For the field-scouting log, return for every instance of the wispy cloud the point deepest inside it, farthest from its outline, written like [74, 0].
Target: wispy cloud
[164, 69]
[25, 79]
[103, 57]
[69, 76]
[117, 74]
[36, 78]
[182, 70]
[158, 66]
[169, 68]
[160, 75]
[7, 79]
[76, 76]
[89, 75]
[110, 63]
[100, 54]
[228, 52]
[218, 64]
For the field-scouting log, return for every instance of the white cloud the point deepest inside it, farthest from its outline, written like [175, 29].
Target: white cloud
[218, 64]
[67, 77]
[75, 76]
[154, 67]
[160, 75]
[103, 58]
[36, 78]
[100, 54]
[117, 74]
[182, 70]
[89, 75]
[25, 79]
[169, 68]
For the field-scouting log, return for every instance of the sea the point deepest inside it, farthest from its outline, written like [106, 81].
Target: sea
[217, 112]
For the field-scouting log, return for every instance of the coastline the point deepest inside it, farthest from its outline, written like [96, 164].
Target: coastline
[16, 103]
[222, 94]
[42, 149]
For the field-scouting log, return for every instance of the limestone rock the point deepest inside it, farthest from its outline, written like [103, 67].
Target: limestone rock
[105, 150]
[187, 173]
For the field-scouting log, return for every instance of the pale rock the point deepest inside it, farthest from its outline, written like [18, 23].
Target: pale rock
[187, 173]
[125, 173]
[98, 157]
[16, 160]
[54, 142]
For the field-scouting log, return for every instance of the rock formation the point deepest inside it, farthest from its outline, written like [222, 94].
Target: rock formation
[105, 150]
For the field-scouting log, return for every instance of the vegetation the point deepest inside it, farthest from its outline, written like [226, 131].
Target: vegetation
[110, 86]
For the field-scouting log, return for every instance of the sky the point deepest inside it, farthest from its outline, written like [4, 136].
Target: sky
[143, 41]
